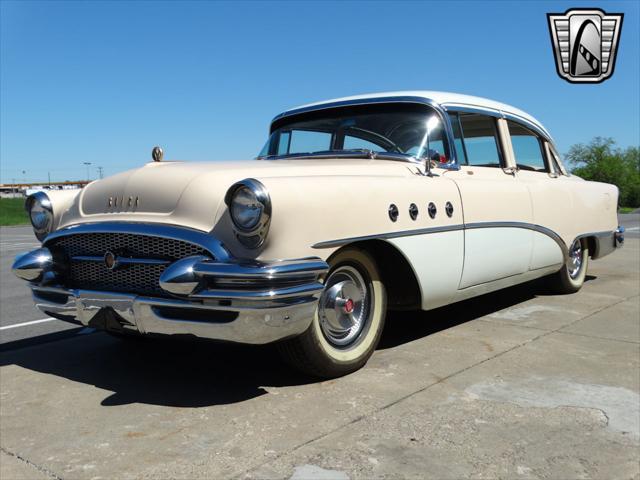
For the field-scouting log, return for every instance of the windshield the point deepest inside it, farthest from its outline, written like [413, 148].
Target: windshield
[409, 130]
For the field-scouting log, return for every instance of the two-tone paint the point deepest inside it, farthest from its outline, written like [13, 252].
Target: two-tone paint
[461, 230]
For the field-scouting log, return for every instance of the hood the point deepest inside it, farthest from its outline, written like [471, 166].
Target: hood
[192, 194]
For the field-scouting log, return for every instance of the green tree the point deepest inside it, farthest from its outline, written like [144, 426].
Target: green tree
[602, 161]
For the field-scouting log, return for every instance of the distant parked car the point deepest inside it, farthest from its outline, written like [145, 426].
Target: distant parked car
[355, 206]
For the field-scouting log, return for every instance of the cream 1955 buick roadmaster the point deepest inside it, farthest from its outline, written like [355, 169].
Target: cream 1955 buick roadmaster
[410, 200]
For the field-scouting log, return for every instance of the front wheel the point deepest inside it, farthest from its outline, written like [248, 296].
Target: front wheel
[571, 277]
[348, 322]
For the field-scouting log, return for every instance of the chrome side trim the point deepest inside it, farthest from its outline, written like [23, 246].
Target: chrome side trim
[385, 236]
[445, 228]
[602, 238]
[205, 240]
[528, 226]
[448, 228]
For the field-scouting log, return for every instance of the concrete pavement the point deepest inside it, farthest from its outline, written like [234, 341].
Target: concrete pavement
[516, 384]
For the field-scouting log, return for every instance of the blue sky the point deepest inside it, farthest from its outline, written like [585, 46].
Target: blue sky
[103, 82]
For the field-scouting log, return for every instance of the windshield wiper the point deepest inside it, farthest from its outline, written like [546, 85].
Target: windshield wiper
[351, 153]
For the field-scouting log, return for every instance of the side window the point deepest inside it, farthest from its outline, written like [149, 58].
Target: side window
[480, 140]
[457, 138]
[558, 165]
[283, 143]
[527, 148]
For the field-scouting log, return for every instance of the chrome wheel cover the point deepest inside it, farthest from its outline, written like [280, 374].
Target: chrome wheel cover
[574, 264]
[344, 309]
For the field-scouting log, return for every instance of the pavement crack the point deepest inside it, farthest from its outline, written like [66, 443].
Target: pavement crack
[358, 419]
[597, 338]
[40, 468]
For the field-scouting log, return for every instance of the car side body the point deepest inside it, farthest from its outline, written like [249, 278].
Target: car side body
[438, 230]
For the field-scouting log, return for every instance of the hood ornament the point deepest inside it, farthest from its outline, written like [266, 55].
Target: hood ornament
[156, 154]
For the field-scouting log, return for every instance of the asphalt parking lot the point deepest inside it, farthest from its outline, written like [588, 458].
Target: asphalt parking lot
[515, 384]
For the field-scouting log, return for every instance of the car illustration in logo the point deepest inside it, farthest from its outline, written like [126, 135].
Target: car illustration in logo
[585, 42]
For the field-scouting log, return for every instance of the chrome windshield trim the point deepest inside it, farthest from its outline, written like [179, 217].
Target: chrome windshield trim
[360, 153]
[348, 103]
[452, 164]
[202, 239]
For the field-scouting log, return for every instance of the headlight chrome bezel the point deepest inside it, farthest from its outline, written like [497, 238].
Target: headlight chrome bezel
[252, 237]
[40, 199]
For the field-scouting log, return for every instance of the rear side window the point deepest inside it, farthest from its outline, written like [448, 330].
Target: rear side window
[527, 148]
[479, 140]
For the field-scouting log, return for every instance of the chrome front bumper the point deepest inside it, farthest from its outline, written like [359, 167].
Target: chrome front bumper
[217, 297]
[114, 311]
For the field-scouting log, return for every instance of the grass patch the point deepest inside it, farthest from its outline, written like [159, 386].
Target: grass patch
[627, 209]
[12, 212]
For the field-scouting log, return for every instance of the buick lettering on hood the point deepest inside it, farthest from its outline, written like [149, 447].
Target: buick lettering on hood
[355, 206]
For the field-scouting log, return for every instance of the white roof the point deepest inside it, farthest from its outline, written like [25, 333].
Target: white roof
[445, 99]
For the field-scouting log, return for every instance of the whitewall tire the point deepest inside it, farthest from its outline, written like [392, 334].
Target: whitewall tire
[571, 277]
[348, 322]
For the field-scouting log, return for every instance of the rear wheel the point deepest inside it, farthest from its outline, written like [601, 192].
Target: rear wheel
[571, 277]
[348, 322]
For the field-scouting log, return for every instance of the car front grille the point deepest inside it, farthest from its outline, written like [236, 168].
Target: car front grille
[136, 278]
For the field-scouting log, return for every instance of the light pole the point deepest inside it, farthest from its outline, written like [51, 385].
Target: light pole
[100, 172]
[88, 164]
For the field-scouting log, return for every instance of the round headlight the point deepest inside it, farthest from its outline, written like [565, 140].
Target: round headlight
[250, 211]
[245, 209]
[38, 207]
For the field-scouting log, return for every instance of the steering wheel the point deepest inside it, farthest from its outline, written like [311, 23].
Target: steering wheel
[375, 137]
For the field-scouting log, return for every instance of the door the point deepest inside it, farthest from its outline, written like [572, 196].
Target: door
[495, 204]
[551, 201]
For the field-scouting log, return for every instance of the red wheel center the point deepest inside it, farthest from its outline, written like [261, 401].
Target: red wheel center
[348, 305]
